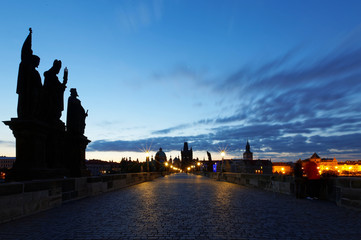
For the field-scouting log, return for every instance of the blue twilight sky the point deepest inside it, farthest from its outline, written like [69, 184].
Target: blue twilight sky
[286, 75]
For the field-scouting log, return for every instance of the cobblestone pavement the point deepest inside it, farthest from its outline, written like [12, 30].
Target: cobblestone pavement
[185, 206]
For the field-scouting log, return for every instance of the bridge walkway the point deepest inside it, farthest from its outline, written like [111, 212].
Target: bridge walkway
[184, 206]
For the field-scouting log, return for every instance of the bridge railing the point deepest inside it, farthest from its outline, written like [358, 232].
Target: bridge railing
[19, 199]
[344, 191]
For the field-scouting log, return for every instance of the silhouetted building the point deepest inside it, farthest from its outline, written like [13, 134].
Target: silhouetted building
[245, 165]
[248, 166]
[177, 162]
[323, 163]
[7, 162]
[187, 156]
[160, 159]
[99, 167]
[248, 155]
[282, 168]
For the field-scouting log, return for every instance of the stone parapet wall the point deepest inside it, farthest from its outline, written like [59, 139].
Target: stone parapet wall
[348, 192]
[344, 191]
[276, 183]
[19, 199]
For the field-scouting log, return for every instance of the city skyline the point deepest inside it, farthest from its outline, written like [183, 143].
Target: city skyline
[284, 75]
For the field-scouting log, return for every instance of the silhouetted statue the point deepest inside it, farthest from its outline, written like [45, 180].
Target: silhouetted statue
[54, 92]
[75, 121]
[29, 85]
[43, 147]
[209, 156]
[299, 180]
[209, 165]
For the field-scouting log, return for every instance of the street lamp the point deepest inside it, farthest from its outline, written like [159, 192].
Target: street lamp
[147, 159]
[166, 166]
[223, 153]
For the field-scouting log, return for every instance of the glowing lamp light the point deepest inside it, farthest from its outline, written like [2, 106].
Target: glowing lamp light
[198, 163]
[166, 164]
[223, 153]
[188, 168]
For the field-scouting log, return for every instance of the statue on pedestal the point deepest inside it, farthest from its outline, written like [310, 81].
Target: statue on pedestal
[210, 165]
[75, 121]
[43, 148]
[29, 87]
[54, 92]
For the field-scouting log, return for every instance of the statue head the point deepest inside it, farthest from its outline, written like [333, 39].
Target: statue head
[57, 66]
[73, 92]
[35, 61]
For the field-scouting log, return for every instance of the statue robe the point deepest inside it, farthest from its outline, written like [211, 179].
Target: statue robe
[54, 96]
[75, 121]
[29, 85]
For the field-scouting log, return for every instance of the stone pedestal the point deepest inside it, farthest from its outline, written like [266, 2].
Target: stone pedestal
[75, 145]
[39, 150]
[30, 149]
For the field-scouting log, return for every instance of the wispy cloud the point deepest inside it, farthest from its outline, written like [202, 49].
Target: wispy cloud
[133, 15]
[170, 130]
[183, 75]
[8, 143]
[292, 105]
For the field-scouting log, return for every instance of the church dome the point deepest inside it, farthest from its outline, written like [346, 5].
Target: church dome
[160, 155]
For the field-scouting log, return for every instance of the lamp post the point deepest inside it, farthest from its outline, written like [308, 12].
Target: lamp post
[147, 159]
[223, 153]
[166, 166]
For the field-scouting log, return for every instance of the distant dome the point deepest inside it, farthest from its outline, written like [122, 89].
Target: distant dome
[160, 156]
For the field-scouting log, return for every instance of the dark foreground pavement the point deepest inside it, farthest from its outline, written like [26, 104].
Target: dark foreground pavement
[189, 207]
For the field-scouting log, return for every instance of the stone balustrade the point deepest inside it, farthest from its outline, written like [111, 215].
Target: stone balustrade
[344, 191]
[19, 199]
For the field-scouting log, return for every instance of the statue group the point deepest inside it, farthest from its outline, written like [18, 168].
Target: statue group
[45, 146]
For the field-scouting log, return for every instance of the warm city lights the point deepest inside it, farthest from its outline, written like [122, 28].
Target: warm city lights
[324, 166]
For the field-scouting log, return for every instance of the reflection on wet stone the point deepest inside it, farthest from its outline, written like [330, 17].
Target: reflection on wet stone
[185, 206]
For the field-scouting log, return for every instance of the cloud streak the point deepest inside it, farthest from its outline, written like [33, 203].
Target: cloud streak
[135, 15]
[291, 105]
